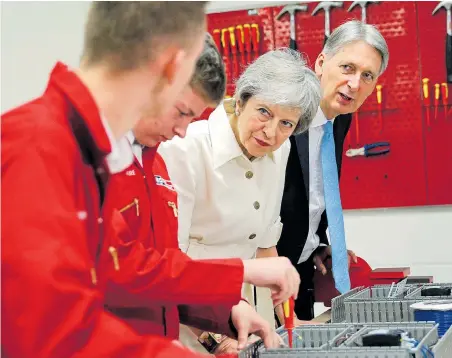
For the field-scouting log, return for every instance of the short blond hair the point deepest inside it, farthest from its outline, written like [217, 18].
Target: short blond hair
[125, 34]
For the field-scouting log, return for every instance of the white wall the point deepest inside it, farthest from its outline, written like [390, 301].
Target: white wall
[31, 43]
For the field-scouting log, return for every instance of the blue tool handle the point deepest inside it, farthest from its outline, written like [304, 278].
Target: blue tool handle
[373, 154]
[375, 145]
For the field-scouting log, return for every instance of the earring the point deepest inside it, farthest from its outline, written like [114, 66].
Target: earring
[237, 113]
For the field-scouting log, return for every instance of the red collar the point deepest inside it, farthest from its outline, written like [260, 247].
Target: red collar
[83, 103]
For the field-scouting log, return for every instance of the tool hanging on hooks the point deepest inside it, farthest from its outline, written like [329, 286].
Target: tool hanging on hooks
[436, 102]
[291, 10]
[444, 97]
[425, 82]
[380, 109]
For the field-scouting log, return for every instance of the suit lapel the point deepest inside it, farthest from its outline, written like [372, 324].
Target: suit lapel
[302, 143]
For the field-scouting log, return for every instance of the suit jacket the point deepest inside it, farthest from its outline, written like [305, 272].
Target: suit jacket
[295, 202]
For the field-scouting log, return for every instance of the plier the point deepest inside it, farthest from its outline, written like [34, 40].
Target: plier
[366, 150]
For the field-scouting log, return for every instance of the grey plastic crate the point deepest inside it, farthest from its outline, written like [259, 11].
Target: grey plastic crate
[416, 294]
[425, 332]
[372, 305]
[368, 305]
[338, 305]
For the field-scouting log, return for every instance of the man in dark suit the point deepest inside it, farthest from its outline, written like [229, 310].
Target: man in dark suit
[348, 67]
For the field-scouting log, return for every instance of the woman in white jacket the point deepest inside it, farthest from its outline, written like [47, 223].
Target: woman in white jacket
[229, 171]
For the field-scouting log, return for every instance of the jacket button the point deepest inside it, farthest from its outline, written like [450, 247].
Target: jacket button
[100, 220]
[256, 205]
[252, 236]
[249, 174]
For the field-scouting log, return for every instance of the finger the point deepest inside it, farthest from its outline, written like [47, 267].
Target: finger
[267, 335]
[319, 265]
[242, 337]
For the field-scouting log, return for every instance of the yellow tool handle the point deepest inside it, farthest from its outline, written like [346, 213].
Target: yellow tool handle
[436, 91]
[425, 86]
[446, 90]
[242, 34]
[379, 93]
[232, 35]
[286, 308]
[223, 31]
[257, 31]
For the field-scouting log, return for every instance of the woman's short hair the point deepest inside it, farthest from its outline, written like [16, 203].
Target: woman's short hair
[281, 77]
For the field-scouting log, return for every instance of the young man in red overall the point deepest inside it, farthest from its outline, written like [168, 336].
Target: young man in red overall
[58, 152]
[145, 197]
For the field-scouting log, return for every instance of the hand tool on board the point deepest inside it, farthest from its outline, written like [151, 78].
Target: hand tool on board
[247, 31]
[367, 150]
[326, 6]
[436, 101]
[447, 6]
[363, 5]
[255, 38]
[291, 10]
[217, 38]
[241, 44]
[226, 52]
[380, 109]
[235, 65]
[444, 97]
[425, 82]
[288, 308]
[356, 127]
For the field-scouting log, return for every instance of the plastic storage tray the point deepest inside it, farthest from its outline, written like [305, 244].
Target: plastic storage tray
[372, 304]
[342, 340]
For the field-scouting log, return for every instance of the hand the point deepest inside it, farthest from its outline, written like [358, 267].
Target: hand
[324, 252]
[276, 273]
[247, 321]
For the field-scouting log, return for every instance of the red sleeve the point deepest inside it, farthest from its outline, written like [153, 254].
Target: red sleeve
[171, 277]
[50, 308]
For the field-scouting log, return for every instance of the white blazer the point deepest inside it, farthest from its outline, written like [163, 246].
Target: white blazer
[228, 205]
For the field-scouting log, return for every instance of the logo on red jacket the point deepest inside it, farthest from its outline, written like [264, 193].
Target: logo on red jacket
[163, 182]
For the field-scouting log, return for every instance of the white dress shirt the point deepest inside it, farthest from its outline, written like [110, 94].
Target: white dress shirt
[228, 205]
[121, 155]
[137, 149]
[316, 194]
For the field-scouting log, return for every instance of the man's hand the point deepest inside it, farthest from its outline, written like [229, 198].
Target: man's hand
[323, 252]
[247, 321]
[276, 273]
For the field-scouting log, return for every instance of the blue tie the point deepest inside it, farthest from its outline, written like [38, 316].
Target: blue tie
[334, 210]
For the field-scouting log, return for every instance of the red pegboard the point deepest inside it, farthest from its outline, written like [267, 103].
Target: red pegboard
[418, 170]
[437, 136]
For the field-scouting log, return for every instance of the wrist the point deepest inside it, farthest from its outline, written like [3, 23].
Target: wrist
[210, 341]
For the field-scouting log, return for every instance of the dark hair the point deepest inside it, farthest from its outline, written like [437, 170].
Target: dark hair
[126, 34]
[209, 77]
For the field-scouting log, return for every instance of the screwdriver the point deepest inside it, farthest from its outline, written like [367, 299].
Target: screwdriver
[426, 99]
[379, 100]
[288, 307]
[436, 99]
[444, 97]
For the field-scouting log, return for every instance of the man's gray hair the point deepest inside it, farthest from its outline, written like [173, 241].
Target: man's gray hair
[281, 77]
[352, 31]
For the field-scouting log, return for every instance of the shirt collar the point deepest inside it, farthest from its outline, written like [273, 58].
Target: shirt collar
[121, 155]
[223, 141]
[319, 119]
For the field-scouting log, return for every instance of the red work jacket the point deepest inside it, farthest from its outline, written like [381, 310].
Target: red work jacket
[57, 261]
[147, 201]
